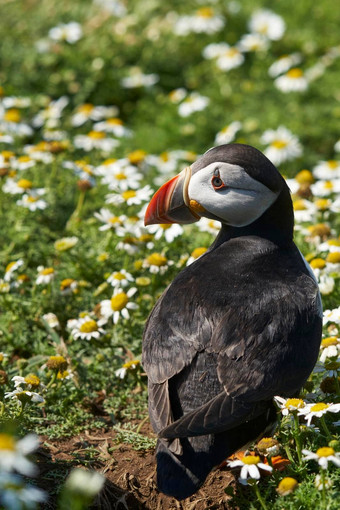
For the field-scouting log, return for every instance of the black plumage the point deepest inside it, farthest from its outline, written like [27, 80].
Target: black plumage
[235, 328]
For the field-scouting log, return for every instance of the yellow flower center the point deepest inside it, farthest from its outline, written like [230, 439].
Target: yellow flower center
[24, 159]
[62, 374]
[326, 451]
[88, 326]
[119, 301]
[115, 122]
[232, 52]
[119, 276]
[7, 442]
[279, 144]
[57, 363]
[287, 486]
[156, 259]
[9, 266]
[145, 238]
[67, 282]
[120, 176]
[109, 161]
[165, 226]
[25, 184]
[47, 270]
[86, 108]
[198, 252]
[133, 364]
[328, 185]
[33, 380]
[12, 115]
[96, 135]
[65, 243]
[7, 155]
[297, 403]
[333, 258]
[331, 340]
[334, 242]
[114, 220]
[295, 73]
[319, 407]
[322, 203]
[130, 193]
[317, 263]
[304, 177]
[136, 156]
[251, 459]
[31, 199]
[332, 164]
[164, 156]
[205, 12]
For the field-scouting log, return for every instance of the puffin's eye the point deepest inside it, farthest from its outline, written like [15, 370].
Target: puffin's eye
[217, 182]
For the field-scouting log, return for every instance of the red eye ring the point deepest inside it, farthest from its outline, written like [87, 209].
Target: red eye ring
[217, 183]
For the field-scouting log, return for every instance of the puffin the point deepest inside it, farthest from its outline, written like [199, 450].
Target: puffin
[236, 327]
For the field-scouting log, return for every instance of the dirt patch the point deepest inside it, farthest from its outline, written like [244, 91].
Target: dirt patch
[130, 474]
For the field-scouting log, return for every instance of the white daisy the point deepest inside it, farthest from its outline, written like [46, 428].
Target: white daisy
[16, 494]
[283, 64]
[137, 78]
[120, 278]
[268, 24]
[109, 219]
[324, 188]
[327, 170]
[293, 81]
[15, 187]
[69, 32]
[95, 140]
[204, 21]
[288, 405]
[121, 175]
[168, 230]
[24, 396]
[13, 454]
[50, 116]
[330, 348]
[51, 319]
[118, 306]
[10, 123]
[45, 275]
[318, 410]
[331, 316]
[177, 95]
[331, 245]
[86, 328]
[304, 210]
[283, 145]
[253, 42]
[157, 263]
[250, 466]
[229, 59]
[11, 268]
[194, 102]
[228, 133]
[326, 284]
[114, 126]
[323, 456]
[22, 163]
[32, 201]
[130, 196]
[88, 111]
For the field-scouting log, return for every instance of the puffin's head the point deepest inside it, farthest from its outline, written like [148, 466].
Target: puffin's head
[235, 184]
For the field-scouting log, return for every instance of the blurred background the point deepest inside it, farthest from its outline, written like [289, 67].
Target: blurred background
[88, 50]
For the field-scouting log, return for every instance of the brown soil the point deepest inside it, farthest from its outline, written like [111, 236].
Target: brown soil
[130, 474]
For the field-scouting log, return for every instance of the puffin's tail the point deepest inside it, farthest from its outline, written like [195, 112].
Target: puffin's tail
[180, 476]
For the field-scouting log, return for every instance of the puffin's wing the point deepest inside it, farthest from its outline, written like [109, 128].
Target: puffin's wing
[266, 353]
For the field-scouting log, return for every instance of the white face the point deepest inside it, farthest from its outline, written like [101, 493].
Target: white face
[228, 192]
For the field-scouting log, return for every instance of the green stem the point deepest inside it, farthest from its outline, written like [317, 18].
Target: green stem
[323, 493]
[289, 454]
[53, 379]
[76, 213]
[259, 497]
[297, 437]
[325, 428]
[337, 385]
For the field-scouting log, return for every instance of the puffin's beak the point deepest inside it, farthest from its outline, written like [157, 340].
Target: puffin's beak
[170, 204]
